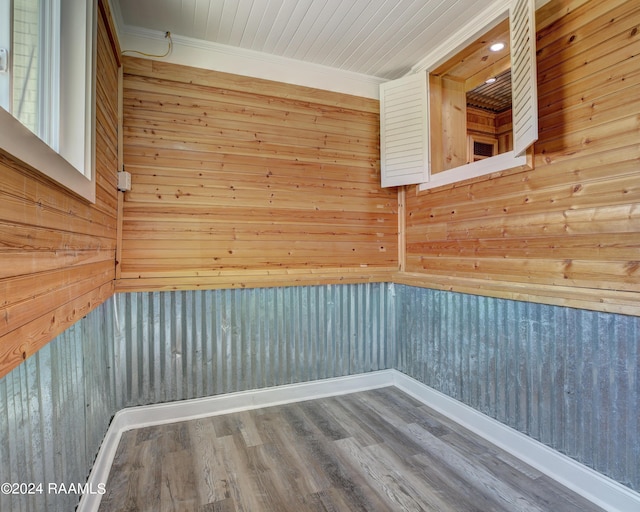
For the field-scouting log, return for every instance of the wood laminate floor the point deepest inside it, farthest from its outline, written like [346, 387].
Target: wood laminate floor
[378, 450]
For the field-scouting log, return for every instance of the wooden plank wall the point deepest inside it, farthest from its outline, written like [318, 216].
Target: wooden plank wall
[244, 182]
[567, 232]
[58, 251]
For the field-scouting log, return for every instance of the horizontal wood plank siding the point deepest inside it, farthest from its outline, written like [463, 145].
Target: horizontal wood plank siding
[58, 251]
[568, 231]
[244, 182]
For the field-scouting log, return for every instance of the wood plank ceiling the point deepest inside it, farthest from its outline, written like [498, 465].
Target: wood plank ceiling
[381, 38]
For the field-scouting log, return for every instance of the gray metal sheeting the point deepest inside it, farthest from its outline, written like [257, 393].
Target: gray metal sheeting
[567, 377]
[54, 411]
[188, 344]
[144, 348]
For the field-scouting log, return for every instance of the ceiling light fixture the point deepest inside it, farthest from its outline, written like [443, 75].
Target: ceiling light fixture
[496, 47]
[490, 80]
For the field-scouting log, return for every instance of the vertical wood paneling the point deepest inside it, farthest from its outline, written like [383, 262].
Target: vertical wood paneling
[237, 181]
[567, 377]
[57, 252]
[567, 232]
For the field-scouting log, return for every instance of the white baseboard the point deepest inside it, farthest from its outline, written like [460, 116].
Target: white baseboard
[594, 486]
[171, 412]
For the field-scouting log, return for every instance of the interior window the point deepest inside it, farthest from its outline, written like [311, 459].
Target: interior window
[470, 98]
[450, 125]
[25, 63]
[47, 88]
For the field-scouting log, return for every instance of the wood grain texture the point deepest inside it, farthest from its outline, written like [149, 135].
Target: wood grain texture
[368, 451]
[58, 251]
[239, 177]
[567, 231]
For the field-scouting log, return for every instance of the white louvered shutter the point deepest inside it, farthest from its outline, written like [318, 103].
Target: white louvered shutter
[404, 135]
[523, 75]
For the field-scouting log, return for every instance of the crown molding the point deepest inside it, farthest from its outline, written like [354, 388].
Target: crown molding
[218, 57]
[116, 15]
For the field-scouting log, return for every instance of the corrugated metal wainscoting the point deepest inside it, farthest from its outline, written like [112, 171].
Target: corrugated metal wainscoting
[144, 348]
[54, 412]
[569, 378]
[188, 344]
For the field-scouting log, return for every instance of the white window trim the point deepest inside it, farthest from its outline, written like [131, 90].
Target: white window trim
[481, 23]
[497, 163]
[508, 160]
[18, 141]
[484, 21]
[21, 143]
[5, 43]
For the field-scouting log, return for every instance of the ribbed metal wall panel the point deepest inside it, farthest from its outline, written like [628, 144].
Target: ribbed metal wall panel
[569, 378]
[54, 411]
[189, 344]
[145, 348]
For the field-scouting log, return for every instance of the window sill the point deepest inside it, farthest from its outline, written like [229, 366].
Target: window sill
[474, 170]
[21, 143]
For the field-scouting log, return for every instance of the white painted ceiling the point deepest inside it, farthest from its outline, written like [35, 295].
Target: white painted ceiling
[377, 38]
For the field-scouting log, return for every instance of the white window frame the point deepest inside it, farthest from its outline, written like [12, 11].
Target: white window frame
[5, 44]
[71, 160]
[485, 21]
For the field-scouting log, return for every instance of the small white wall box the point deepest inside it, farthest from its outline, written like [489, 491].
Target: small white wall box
[124, 181]
[4, 60]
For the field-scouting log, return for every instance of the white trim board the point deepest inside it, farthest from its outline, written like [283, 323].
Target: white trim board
[590, 484]
[229, 59]
[484, 167]
[171, 412]
[594, 486]
[485, 20]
